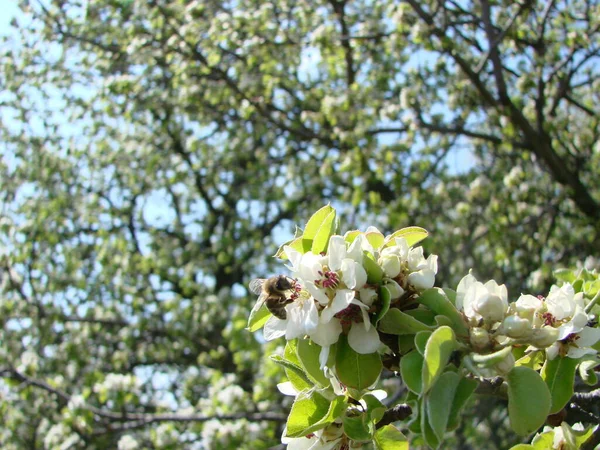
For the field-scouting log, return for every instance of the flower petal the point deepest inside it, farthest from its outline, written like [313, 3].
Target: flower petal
[316, 293]
[274, 328]
[287, 388]
[336, 251]
[327, 334]
[363, 341]
[342, 299]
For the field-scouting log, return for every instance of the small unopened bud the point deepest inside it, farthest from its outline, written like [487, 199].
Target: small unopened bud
[506, 365]
[543, 337]
[492, 308]
[367, 295]
[394, 288]
[391, 265]
[422, 279]
[515, 327]
[480, 338]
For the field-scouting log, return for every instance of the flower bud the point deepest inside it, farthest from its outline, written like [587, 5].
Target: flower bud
[391, 265]
[394, 288]
[492, 308]
[544, 337]
[423, 279]
[480, 338]
[367, 295]
[515, 327]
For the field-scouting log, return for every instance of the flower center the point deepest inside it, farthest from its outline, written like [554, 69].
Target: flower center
[329, 279]
[549, 319]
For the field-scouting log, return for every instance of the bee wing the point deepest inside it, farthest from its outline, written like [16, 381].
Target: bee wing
[259, 302]
[256, 285]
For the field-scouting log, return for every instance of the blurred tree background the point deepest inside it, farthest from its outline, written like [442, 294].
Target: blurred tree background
[156, 153]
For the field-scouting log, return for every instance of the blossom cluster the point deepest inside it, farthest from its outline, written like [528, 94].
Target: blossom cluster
[338, 290]
[557, 323]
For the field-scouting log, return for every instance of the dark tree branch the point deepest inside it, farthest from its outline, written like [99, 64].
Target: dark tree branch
[398, 412]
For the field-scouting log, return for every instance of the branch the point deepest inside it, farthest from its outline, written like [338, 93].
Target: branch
[137, 420]
[398, 412]
[338, 8]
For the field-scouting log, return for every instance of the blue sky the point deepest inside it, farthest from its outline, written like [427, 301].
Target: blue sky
[8, 9]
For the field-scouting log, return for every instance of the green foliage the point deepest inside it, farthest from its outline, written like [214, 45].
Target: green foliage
[154, 153]
[529, 400]
[356, 370]
[559, 375]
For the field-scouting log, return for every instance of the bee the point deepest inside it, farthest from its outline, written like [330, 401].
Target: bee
[272, 292]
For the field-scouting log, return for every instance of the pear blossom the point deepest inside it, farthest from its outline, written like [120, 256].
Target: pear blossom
[420, 272]
[302, 318]
[329, 438]
[560, 322]
[480, 301]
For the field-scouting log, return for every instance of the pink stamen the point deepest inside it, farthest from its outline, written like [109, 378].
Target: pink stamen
[548, 319]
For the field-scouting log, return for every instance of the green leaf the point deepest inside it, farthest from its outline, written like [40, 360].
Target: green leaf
[587, 372]
[440, 346]
[375, 238]
[325, 231]
[524, 447]
[374, 272]
[566, 275]
[316, 221]
[439, 402]
[436, 300]
[311, 412]
[423, 314]
[533, 360]
[464, 390]
[258, 318]
[294, 373]
[559, 375]
[350, 236]
[406, 343]
[529, 400]
[397, 322]
[390, 438]
[385, 299]
[299, 244]
[411, 369]
[490, 359]
[336, 408]
[543, 441]
[308, 354]
[290, 353]
[413, 235]
[375, 408]
[357, 427]
[421, 339]
[426, 430]
[356, 370]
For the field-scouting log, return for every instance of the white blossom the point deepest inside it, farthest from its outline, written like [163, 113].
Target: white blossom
[127, 442]
[482, 301]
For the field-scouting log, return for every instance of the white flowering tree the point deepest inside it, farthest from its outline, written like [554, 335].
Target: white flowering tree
[363, 303]
[154, 152]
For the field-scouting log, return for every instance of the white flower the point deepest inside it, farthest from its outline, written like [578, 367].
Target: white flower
[302, 318]
[562, 302]
[421, 271]
[391, 265]
[325, 439]
[127, 442]
[565, 311]
[482, 301]
[347, 261]
[515, 326]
